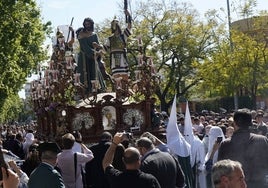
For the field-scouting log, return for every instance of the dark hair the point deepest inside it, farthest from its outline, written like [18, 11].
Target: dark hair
[106, 136]
[77, 135]
[145, 143]
[223, 128]
[91, 22]
[78, 31]
[33, 148]
[19, 136]
[243, 118]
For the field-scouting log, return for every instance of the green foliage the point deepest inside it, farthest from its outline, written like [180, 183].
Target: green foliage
[178, 43]
[11, 108]
[242, 70]
[246, 7]
[21, 37]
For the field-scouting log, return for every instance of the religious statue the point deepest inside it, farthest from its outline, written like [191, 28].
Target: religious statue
[116, 45]
[62, 46]
[88, 68]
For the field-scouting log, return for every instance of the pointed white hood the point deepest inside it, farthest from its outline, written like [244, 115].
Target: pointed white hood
[175, 141]
[188, 127]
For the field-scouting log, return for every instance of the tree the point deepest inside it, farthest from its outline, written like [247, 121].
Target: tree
[21, 39]
[243, 70]
[194, 57]
[11, 109]
[178, 43]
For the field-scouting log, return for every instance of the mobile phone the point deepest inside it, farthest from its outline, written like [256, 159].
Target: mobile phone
[2, 164]
[219, 139]
[127, 135]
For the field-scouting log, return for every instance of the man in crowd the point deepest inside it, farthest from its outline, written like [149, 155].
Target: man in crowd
[14, 144]
[228, 174]
[94, 172]
[262, 128]
[249, 149]
[71, 172]
[132, 177]
[45, 176]
[160, 164]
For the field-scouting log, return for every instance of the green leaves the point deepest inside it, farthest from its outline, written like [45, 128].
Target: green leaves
[22, 34]
[177, 40]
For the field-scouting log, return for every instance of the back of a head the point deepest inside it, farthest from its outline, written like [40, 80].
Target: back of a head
[48, 155]
[19, 136]
[150, 136]
[106, 136]
[48, 150]
[243, 118]
[223, 168]
[68, 141]
[12, 136]
[131, 156]
[145, 142]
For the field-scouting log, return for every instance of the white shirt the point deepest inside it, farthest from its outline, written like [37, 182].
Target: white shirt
[77, 147]
[66, 164]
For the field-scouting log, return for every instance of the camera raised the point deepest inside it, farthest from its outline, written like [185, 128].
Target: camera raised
[219, 139]
[127, 135]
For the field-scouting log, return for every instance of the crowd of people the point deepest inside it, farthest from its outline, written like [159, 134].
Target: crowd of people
[219, 158]
[226, 151]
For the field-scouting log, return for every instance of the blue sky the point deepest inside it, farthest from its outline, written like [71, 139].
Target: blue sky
[60, 12]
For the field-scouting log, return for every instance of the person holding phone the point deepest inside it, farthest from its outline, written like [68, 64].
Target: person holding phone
[132, 176]
[215, 137]
[10, 178]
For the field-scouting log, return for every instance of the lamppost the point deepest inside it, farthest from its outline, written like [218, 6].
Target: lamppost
[231, 48]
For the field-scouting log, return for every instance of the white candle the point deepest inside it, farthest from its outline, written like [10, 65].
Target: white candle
[94, 84]
[43, 93]
[140, 59]
[46, 73]
[139, 41]
[76, 79]
[51, 63]
[118, 82]
[55, 75]
[137, 74]
[47, 82]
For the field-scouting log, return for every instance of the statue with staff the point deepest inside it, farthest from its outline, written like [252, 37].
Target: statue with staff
[116, 45]
[63, 45]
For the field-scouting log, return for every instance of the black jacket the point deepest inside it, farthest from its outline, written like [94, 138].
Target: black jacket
[164, 167]
[251, 151]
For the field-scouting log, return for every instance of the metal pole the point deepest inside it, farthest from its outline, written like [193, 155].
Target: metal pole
[231, 48]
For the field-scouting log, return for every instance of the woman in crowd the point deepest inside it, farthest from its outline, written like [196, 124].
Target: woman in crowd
[215, 137]
[32, 160]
